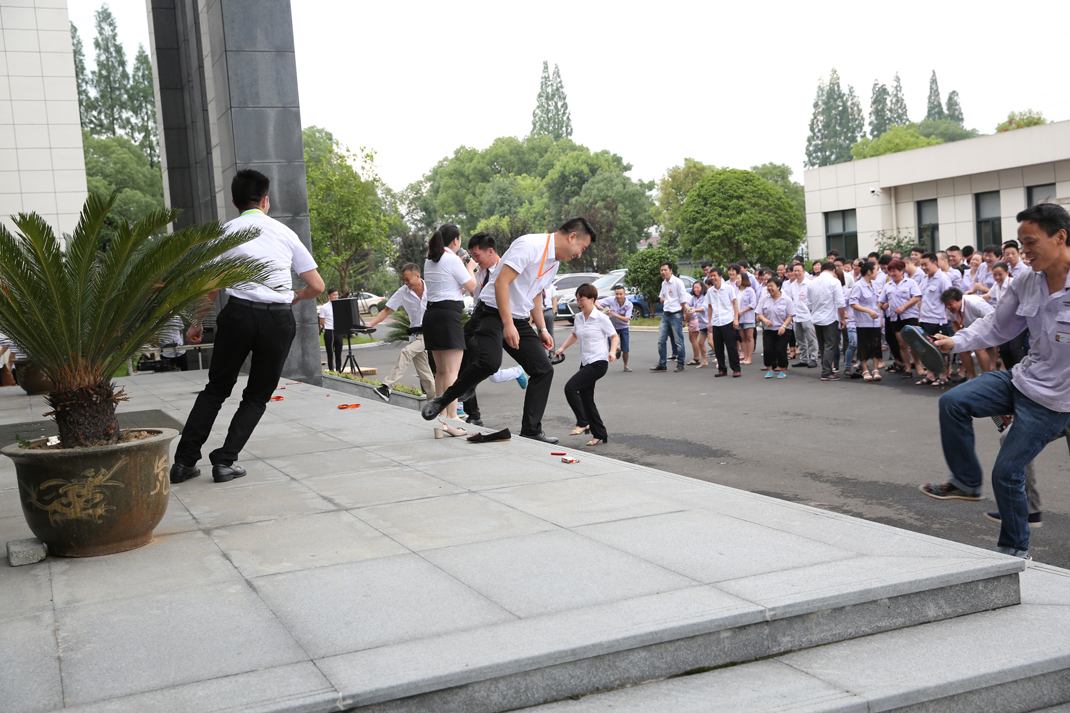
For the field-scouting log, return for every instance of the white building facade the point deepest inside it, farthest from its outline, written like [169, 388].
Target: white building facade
[42, 167]
[961, 193]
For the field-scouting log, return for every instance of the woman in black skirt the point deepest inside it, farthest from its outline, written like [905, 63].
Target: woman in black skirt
[446, 278]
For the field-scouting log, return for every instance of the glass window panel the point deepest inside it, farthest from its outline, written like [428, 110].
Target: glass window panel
[927, 212]
[988, 205]
[850, 250]
[1039, 194]
[835, 223]
[850, 225]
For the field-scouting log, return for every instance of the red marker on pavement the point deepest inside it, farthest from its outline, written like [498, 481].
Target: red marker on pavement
[558, 454]
[348, 405]
[276, 398]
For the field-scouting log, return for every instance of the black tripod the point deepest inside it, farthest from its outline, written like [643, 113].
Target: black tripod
[350, 361]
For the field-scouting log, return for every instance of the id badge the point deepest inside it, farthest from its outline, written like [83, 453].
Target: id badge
[1062, 337]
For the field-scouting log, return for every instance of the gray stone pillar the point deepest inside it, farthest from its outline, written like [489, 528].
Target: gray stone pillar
[226, 82]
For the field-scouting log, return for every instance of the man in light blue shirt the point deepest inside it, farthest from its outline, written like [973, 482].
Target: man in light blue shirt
[1036, 392]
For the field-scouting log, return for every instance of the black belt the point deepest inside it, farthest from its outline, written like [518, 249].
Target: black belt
[271, 306]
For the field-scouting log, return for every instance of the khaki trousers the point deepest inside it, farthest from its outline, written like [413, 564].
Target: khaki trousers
[415, 353]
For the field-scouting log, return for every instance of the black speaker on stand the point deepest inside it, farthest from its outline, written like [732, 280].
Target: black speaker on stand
[347, 321]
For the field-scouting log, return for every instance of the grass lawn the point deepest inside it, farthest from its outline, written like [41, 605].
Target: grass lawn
[645, 321]
[356, 339]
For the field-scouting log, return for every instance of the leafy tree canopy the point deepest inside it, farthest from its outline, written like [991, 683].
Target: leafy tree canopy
[620, 210]
[1022, 119]
[644, 276]
[946, 130]
[779, 174]
[895, 139]
[551, 116]
[935, 110]
[116, 165]
[836, 124]
[672, 191]
[733, 214]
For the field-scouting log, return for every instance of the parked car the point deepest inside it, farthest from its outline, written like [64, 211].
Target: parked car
[566, 285]
[369, 303]
[606, 286]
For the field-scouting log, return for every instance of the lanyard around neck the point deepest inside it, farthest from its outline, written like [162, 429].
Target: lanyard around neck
[545, 252]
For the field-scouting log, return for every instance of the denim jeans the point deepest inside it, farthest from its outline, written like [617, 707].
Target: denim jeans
[675, 322]
[993, 394]
[852, 346]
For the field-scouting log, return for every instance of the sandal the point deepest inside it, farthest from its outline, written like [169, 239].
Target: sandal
[926, 381]
[453, 430]
[595, 442]
[580, 430]
[940, 383]
[876, 376]
[866, 376]
[692, 362]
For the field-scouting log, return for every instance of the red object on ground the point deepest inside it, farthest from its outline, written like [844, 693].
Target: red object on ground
[292, 383]
[348, 405]
[570, 460]
[276, 398]
[558, 454]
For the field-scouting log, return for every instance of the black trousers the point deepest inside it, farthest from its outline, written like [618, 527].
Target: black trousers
[724, 337]
[471, 405]
[240, 329]
[775, 348]
[1013, 351]
[333, 340]
[827, 337]
[579, 392]
[487, 359]
[180, 362]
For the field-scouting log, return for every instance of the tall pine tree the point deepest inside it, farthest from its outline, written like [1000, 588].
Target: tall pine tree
[143, 107]
[879, 121]
[109, 113]
[816, 154]
[954, 108]
[897, 105]
[80, 77]
[936, 105]
[551, 116]
[855, 124]
[837, 123]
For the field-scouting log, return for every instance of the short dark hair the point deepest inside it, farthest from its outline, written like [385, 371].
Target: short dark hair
[967, 251]
[734, 266]
[578, 225]
[873, 255]
[587, 290]
[716, 270]
[833, 253]
[839, 260]
[994, 249]
[1050, 217]
[897, 253]
[798, 258]
[828, 266]
[774, 280]
[897, 264]
[885, 259]
[931, 257]
[618, 286]
[1003, 265]
[332, 290]
[918, 249]
[742, 263]
[954, 248]
[410, 267]
[951, 293]
[1011, 244]
[706, 264]
[248, 188]
[664, 264]
[483, 241]
[700, 284]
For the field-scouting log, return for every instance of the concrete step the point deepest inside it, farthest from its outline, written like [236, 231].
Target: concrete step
[1016, 659]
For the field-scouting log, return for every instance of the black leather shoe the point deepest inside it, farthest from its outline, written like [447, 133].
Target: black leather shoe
[181, 473]
[222, 473]
[721, 373]
[540, 437]
[475, 422]
[659, 367]
[679, 367]
[433, 408]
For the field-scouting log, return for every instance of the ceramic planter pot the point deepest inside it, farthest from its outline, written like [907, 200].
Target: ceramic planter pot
[32, 380]
[84, 502]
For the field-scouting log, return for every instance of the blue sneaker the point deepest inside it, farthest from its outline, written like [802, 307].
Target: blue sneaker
[781, 375]
[460, 408]
[769, 374]
[522, 380]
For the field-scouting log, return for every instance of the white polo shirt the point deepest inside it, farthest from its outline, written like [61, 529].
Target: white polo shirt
[797, 292]
[824, 295]
[327, 315]
[592, 333]
[535, 262]
[548, 298]
[723, 303]
[414, 304]
[674, 293]
[444, 280]
[279, 247]
[974, 307]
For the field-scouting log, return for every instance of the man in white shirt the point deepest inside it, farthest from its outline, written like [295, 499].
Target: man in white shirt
[824, 295]
[258, 320]
[672, 296]
[332, 340]
[512, 296]
[413, 298]
[805, 335]
[722, 311]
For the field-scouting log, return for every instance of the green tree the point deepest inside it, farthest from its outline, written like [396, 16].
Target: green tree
[644, 276]
[779, 174]
[895, 139]
[733, 214]
[620, 211]
[143, 107]
[109, 112]
[115, 164]
[551, 116]
[897, 105]
[817, 141]
[836, 124]
[80, 77]
[672, 190]
[1022, 119]
[954, 108]
[349, 216]
[879, 119]
[936, 105]
[946, 130]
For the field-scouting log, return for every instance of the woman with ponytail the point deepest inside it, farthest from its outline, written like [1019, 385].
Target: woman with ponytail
[446, 277]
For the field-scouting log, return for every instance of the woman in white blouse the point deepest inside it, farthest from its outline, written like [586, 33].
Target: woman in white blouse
[446, 278]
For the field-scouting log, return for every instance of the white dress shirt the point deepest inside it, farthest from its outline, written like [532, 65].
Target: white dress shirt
[824, 295]
[327, 315]
[723, 303]
[797, 292]
[444, 280]
[535, 262]
[414, 304]
[592, 333]
[674, 293]
[278, 246]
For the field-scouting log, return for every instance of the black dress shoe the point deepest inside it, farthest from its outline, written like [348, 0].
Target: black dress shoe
[181, 473]
[801, 364]
[679, 367]
[540, 437]
[433, 408]
[222, 473]
[659, 367]
[475, 421]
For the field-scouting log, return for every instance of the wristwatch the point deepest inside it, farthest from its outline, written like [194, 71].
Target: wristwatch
[544, 329]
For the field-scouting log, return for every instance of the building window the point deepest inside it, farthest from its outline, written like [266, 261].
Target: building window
[928, 225]
[1039, 194]
[989, 227]
[841, 233]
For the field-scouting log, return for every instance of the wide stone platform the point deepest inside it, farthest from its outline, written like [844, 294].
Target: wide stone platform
[364, 564]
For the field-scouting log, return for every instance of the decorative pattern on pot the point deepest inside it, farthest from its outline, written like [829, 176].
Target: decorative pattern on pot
[77, 499]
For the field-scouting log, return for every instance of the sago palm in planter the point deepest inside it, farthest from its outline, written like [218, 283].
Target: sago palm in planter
[79, 312]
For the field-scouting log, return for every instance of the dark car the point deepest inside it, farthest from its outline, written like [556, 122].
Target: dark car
[566, 285]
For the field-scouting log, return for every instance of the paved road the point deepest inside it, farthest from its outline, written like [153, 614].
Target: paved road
[853, 447]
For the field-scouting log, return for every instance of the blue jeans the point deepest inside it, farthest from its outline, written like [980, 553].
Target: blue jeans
[852, 346]
[675, 322]
[993, 394]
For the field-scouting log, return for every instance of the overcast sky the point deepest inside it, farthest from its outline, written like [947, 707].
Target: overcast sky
[727, 84]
